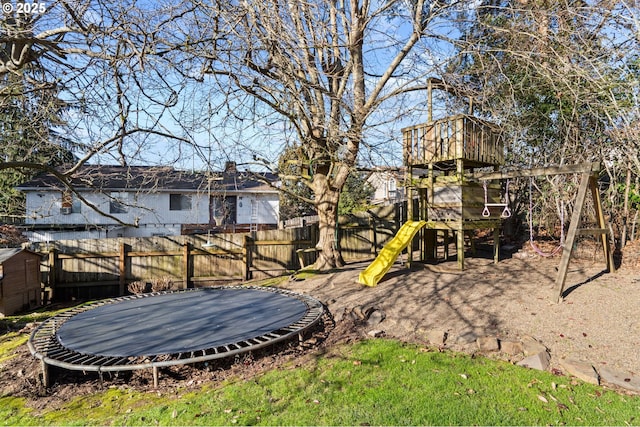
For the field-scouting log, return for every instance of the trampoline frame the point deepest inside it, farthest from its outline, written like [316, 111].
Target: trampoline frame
[44, 344]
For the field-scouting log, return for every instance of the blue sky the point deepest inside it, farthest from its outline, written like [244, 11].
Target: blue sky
[210, 134]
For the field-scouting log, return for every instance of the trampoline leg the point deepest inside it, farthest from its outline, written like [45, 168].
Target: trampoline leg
[155, 377]
[45, 373]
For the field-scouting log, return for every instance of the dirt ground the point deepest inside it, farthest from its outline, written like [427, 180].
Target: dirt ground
[597, 322]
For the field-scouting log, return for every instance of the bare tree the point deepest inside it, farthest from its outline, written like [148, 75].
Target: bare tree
[324, 67]
[89, 80]
[561, 76]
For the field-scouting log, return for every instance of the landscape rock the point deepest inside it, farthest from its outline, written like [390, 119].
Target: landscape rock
[511, 348]
[539, 361]
[532, 346]
[466, 337]
[581, 370]
[436, 336]
[619, 379]
[376, 333]
[357, 313]
[488, 344]
[375, 317]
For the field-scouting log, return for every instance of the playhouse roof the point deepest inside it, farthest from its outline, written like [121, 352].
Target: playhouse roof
[8, 253]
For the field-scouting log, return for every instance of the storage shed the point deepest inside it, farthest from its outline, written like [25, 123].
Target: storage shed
[19, 280]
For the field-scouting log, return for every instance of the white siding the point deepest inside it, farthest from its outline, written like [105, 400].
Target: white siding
[243, 208]
[268, 206]
[387, 188]
[148, 209]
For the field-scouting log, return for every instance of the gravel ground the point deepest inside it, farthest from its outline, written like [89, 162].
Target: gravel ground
[597, 322]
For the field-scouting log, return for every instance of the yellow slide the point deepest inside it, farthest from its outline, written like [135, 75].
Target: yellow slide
[387, 256]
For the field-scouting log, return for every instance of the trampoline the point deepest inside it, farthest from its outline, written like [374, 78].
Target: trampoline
[171, 328]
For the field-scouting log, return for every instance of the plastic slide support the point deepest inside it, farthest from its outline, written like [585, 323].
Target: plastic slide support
[387, 256]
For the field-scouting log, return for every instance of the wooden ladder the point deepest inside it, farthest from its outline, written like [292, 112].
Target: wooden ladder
[253, 226]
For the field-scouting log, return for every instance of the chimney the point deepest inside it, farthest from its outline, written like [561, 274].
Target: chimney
[230, 168]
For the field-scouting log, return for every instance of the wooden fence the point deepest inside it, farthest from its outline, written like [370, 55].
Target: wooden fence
[98, 268]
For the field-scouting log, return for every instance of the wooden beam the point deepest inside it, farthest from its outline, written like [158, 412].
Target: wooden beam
[593, 231]
[604, 235]
[282, 242]
[571, 234]
[460, 248]
[549, 170]
[496, 245]
[89, 255]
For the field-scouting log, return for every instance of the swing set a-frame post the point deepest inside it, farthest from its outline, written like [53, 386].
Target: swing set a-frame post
[588, 181]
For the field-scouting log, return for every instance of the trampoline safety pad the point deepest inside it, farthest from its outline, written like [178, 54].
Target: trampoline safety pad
[171, 328]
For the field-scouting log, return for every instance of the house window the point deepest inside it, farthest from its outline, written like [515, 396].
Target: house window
[69, 205]
[179, 202]
[118, 203]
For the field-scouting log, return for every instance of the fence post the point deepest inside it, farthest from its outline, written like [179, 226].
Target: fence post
[248, 243]
[372, 235]
[123, 267]
[315, 234]
[53, 268]
[186, 264]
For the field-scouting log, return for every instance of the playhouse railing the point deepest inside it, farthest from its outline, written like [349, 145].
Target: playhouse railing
[477, 142]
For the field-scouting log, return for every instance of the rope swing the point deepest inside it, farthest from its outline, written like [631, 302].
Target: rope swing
[531, 240]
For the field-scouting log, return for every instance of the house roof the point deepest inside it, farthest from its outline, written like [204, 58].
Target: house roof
[153, 178]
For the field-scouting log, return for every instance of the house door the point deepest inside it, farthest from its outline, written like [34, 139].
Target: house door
[222, 210]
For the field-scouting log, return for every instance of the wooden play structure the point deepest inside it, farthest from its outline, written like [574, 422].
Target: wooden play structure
[442, 158]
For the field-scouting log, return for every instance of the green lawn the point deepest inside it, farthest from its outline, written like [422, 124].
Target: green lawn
[375, 382]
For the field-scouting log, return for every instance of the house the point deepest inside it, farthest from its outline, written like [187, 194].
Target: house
[20, 287]
[144, 201]
[387, 184]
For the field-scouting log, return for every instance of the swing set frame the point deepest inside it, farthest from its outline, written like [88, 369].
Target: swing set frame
[440, 157]
[588, 184]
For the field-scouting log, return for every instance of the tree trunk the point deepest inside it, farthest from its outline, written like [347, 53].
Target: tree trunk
[326, 199]
[625, 209]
